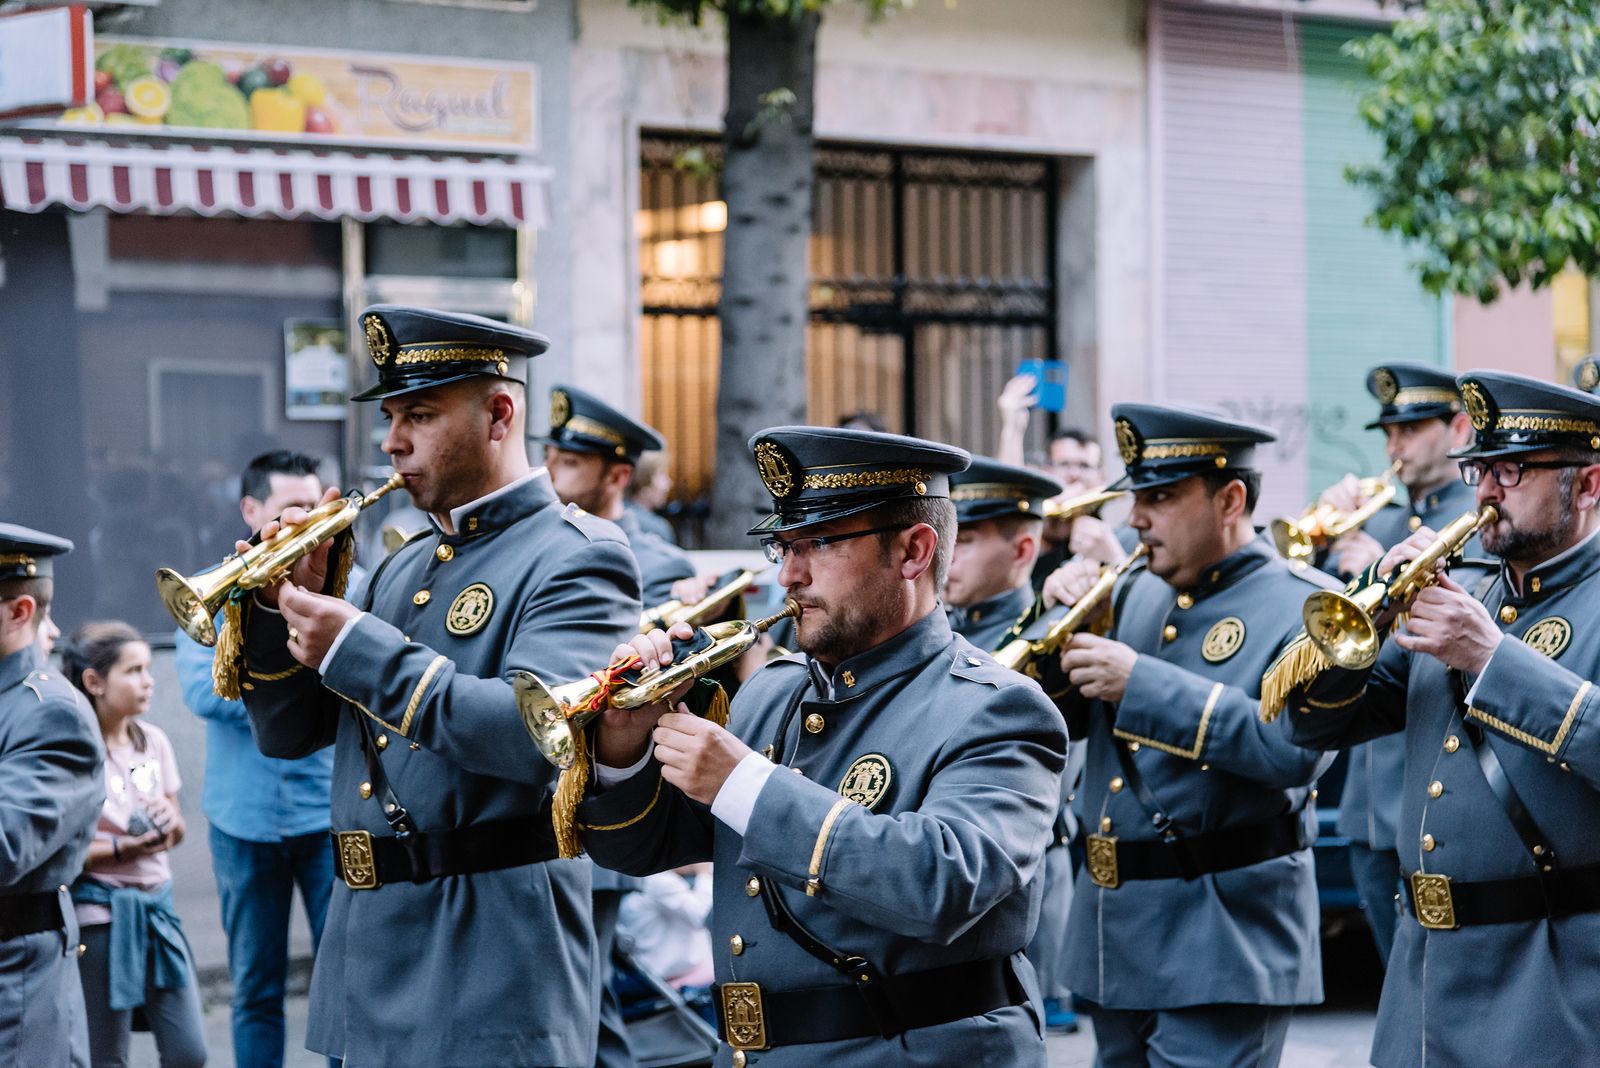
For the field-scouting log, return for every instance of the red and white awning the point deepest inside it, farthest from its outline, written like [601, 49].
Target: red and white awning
[284, 183]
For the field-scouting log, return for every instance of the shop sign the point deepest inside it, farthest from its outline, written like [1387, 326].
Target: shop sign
[316, 371]
[198, 89]
[45, 60]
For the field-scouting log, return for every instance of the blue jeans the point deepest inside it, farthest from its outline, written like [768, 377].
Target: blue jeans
[256, 882]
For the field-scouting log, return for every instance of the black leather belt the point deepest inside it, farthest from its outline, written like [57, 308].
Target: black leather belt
[1441, 904]
[366, 863]
[751, 1018]
[25, 914]
[1112, 862]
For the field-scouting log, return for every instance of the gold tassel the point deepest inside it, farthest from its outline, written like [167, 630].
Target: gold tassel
[569, 791]
[230, 649]
[717, 706]
[342, 565]
[1300, 663]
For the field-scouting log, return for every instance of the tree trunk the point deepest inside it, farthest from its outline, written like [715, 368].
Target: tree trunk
[766, 181]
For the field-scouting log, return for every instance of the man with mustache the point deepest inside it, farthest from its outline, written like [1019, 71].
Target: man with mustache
[453, 936]
[879, 806]
[1490, 681]
[1421, 419]
[1194, 922]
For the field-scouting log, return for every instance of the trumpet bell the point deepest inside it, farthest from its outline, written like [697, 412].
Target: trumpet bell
[547, 713]
[1342, 629]
[1292, 543]
[195, 601]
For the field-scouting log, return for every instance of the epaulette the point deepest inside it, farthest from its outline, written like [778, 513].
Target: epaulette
[975, 665]
[587, 524]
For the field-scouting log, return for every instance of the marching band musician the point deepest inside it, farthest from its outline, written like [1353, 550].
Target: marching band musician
[1491, 683]
[1421, 418]
[880, 807]
[452, 938]
[1194, 922]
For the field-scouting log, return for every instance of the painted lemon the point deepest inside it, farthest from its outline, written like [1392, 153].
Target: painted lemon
[308, 88]
[89, 115]
[148, 98]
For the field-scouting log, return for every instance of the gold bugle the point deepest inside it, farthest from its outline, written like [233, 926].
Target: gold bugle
[1023, 655]
[553, 714]
[664, 615]
[195, 601]
[1348, 628]
[1083, 504]
[1300, 538]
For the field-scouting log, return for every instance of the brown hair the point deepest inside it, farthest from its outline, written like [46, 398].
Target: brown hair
[97, 647]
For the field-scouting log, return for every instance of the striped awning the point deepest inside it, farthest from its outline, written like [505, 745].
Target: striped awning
[82, 173]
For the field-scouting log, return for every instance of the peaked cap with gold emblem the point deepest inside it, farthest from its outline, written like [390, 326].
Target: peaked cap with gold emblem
[990, 489]
[26, 553]
[582, 422]
[1514, 413]
[419, 348]
[819, 474]
[1162, 444]
[1409, 392]
[1586, 376]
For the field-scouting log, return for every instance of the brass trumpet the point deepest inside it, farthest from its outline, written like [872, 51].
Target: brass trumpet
[195, 601]
[553, 714]
[1299, 539]
[1083, 504]
[1346, 630]
[728, 586]
[1024, 655]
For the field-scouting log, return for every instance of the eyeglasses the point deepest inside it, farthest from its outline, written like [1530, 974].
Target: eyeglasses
[1508, 473]
[802, 548]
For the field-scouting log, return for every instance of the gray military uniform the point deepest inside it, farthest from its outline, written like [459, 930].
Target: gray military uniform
[493, 967]
[1247, 935]
[906, 825]
[1519, 992]
[51, 790]
[984, 624]
[660, 562]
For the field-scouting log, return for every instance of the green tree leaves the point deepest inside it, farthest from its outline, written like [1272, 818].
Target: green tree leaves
[1488, 112]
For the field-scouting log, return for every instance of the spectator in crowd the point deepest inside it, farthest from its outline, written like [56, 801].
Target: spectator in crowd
[865, 419]
[136, 955]
[269, 817]
[664, 924]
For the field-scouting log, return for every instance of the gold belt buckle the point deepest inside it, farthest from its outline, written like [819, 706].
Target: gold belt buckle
[1430, 896]
[744, 1019]
[1102, 857]
[355, 860]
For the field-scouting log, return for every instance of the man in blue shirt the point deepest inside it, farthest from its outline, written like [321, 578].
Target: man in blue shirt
[269, 817]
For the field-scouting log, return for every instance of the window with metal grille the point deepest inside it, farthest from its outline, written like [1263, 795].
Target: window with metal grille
[933, 276]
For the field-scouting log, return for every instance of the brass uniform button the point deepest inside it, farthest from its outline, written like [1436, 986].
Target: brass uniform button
[1105, 824]
[752, 886]
[1451, 744]
[1116, 784]
[1169, 632]
[365, 790]
[416, 745]
[1508, 614]
[82, 949]
[736, 945]
[382, 741]
[445, 553]
[1428, 843]
[1435, 788]
[1133, 747]
[421, 597]
[738, 1058]
[815, 723]
[1415, 522]
[44, 676]
[1185, 601]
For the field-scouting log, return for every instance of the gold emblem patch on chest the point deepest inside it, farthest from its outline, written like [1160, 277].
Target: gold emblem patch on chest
[1550, 636]
[470, 611]
[1223, 639]
[867, 780]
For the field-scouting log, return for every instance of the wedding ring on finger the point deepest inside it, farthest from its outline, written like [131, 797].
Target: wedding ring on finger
[294, 635]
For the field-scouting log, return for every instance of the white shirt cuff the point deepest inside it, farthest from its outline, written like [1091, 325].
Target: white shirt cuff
[338, 641]
[737, 799]
[606, 777]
